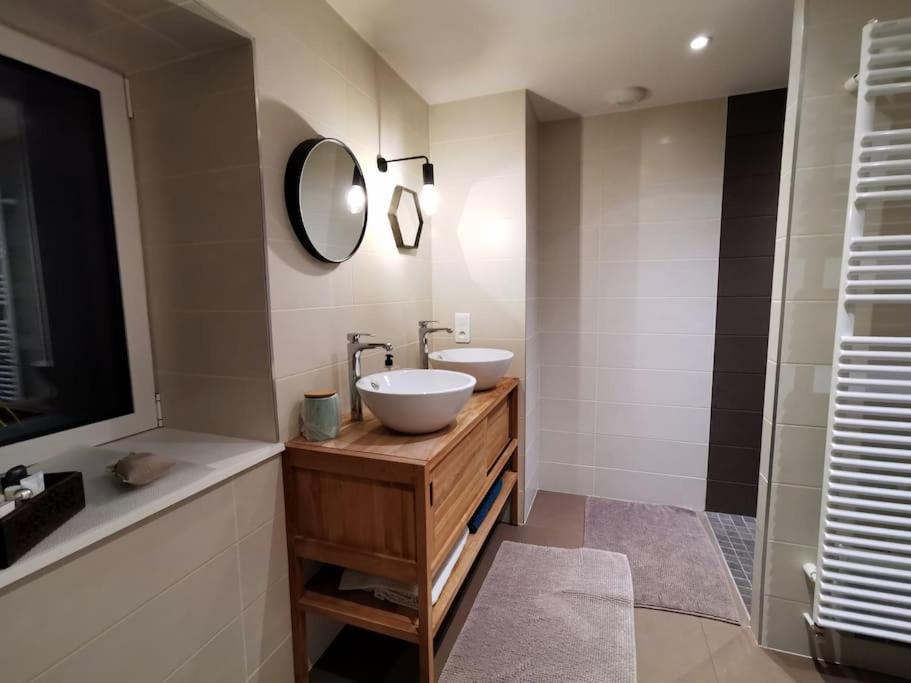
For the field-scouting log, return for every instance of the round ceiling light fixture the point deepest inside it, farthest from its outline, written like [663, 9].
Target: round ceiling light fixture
[628, 95]
[700, 42]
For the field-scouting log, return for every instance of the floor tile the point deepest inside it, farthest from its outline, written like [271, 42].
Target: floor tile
[671, 648]
[736, 538]
[562, 511]
[737, 659]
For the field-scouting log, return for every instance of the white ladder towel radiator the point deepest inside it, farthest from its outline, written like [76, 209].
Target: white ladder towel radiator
[863, 570]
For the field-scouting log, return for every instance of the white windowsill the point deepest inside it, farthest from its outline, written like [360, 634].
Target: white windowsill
[203, 460]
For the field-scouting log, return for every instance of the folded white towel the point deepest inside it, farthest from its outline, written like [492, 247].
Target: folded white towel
[399, 592]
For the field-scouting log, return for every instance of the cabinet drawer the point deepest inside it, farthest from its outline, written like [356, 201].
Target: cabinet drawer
[497, 435]
[456, 483]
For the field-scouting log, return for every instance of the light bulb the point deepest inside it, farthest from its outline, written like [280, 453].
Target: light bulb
[430, 199]
[356, 199]
[700, 42]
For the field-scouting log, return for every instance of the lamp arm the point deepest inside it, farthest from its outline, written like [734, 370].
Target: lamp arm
[419, 156]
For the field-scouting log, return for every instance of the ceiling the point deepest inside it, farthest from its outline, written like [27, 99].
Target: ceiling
[571, 53]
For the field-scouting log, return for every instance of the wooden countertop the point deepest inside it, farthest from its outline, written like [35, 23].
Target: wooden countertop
[370, 439]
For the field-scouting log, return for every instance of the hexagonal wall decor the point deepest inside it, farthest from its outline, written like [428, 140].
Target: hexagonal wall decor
[406, 218]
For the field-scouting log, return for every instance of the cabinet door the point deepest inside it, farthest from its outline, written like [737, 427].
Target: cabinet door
[497, 435]
[456, 483]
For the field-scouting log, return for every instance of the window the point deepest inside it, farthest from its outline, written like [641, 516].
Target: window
[75, 366]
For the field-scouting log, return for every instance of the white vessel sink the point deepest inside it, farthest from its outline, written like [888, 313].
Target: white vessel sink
[416, 401]
[485, 365]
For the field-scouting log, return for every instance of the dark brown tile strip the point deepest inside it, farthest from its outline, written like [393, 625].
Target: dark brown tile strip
[752, 163]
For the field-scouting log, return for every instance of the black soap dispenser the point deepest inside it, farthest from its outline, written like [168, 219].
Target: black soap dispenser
[389, 361]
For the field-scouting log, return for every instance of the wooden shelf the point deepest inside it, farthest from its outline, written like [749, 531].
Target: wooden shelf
[362, 609]
[358, 608]
[470, 553]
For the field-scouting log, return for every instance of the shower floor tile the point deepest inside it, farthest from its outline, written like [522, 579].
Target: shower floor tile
[736, 534]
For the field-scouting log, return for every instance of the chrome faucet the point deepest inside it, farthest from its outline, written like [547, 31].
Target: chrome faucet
[424, 331]
[355, 346]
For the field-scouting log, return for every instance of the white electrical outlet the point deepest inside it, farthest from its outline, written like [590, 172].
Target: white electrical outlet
[462, 326]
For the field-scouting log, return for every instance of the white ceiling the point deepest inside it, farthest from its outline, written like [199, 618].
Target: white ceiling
[572, 52]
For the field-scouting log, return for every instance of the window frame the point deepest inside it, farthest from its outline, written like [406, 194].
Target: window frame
[119, 149]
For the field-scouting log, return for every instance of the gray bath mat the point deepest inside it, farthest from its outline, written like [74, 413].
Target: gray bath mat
[548, 614]
[675, 562]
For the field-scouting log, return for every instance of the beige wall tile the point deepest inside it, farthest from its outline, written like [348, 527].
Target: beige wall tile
[654, 387]
[571, 448]
[218, 70]
[202, 603]
[656, 351]
[221, 660]
[568, 416]
[567, 478]
[490, 319]
[193, 276]
[211, 132]
[263, 559]
[220, 343]
[814, 268]
[676, 240]
[479, 117]
[794, 514]
[259, 497]
[784, 627]
[799, 455]
[311, 338]
[267, 623]
[568, 315]
[231, 406]
[113, 580]
[785, 577]
[278, 667]
[216, 206]
[647, 184]
[649, 487]
[566, 348]
[820, 200]
[803, 394]
[671, 423]
[676, 458]
[568, 382]
[826, 131]
[808, 332]
[656, 316]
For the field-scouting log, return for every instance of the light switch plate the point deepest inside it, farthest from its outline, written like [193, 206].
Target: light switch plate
[462, 326]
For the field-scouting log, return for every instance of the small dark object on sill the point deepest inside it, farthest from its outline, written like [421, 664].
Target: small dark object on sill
[35, 519]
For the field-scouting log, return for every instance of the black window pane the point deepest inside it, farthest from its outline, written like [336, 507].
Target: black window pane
[63, 352]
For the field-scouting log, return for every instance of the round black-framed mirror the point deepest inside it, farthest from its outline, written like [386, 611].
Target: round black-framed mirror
[326, 198]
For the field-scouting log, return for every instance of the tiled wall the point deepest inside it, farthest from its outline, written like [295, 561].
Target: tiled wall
[752, 159]
[200, 202]
[479, 149]
[215, 565]
[316, 76]
[819, 130]
[630, 208]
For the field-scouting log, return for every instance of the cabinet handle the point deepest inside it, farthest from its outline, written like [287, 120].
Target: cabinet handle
[431, 494]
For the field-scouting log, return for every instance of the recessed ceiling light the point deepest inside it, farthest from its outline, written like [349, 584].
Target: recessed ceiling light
[700, 42]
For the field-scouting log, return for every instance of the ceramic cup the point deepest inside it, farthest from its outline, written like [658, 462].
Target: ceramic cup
[320, 416]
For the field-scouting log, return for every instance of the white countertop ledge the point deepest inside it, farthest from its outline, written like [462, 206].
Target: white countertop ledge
[203, 460]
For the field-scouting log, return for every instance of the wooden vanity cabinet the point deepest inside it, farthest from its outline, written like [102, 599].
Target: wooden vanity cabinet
[394, 505]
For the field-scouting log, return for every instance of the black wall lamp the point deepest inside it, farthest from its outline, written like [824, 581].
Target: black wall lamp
[430, 198]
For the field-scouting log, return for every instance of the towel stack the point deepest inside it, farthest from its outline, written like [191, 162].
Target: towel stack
[399, 592]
